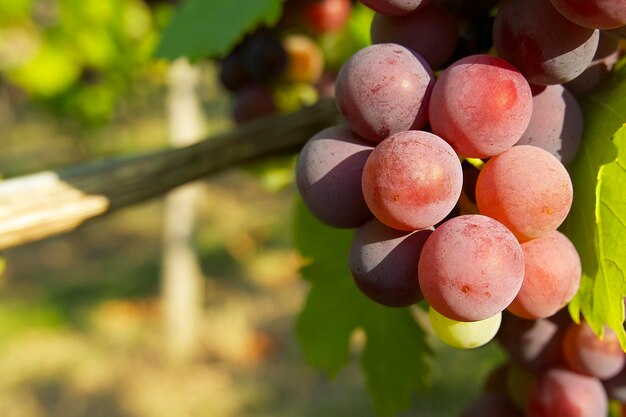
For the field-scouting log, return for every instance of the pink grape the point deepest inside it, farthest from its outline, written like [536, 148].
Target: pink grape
[383, 262]
[384, 89]
[587, 354]
[412, 180]
[597, 14]
[556, 124]
[551, 278]
[563, 393]
[527, 189]
[481, 105]
[470, 268]
[545, 46]
[328, 176]
[395, 7]
[431, 31]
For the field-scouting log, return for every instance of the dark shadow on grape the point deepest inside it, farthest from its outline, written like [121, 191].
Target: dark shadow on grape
[344, 180]
[393, 281]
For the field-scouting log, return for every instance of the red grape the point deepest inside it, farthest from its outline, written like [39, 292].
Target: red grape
[551, 278]
[481, 105]
[587, 354]
[563, 393]
[527, 189]
[324, 16]
[412, 180]
[471, 268]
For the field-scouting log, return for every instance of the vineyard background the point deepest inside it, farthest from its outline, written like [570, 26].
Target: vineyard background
[85, 317]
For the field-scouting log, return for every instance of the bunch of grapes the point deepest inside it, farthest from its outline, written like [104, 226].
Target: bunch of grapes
[457, 183]
[283, 67]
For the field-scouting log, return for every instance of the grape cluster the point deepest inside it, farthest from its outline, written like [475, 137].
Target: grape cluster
[273, 68]
[457, 183]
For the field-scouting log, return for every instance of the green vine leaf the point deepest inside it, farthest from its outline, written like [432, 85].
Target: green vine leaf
[210, 28]
[597, 221]
[396, 356]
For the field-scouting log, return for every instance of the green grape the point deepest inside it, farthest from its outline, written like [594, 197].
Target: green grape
[464, 334]
[49, 73]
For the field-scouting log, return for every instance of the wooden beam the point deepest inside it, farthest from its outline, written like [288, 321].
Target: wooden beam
[49, 203]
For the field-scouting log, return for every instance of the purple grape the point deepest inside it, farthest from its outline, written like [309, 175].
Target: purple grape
[545, 46]
[597, 14]
[384, 89]
[384, 263]
[328, 176]
[532, 344]
[253, 102]
[431, 31]
[556, 123]
[603, 61]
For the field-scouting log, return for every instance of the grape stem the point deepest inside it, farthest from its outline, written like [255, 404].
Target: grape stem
[44, 204]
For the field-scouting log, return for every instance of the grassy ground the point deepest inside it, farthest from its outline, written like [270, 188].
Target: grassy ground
[80, 322]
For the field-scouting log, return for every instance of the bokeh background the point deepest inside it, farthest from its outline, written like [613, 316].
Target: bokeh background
[84, 328]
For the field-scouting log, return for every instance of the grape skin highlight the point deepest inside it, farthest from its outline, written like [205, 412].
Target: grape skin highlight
[527, 189]
[383, 262]
[463, 334]
[412, 180]
[545, 46]
[471, 268]
[328, 177]
[481, 105]
[384, 89]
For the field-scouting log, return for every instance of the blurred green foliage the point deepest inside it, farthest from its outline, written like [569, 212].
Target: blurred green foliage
[78, 57]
